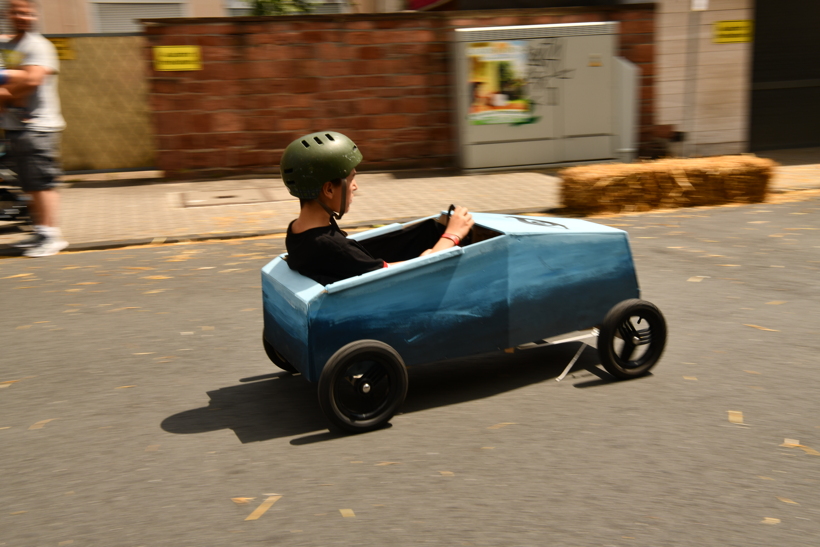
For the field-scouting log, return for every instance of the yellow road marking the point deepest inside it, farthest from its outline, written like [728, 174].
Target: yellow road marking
[776, 302]
[735, 416]
[751, 372]
[690, 378]
[447, 473]
[759, 327]
[158, 277]
[124, 387]
[347, 513]
[267, 504]
[765, 478]
[769, 520]
[18, 275]
[242, 501]
[787, 500]
[41, 423]
[499, 426]
[387, 463]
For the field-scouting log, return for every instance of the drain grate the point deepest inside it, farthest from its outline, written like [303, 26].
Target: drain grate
[210, 198]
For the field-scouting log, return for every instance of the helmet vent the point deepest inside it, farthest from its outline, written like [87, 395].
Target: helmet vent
[317, 140]
[329, 136]
[305, 143]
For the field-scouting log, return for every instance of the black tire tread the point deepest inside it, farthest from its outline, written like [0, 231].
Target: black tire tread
[609, 328]
[336, 363]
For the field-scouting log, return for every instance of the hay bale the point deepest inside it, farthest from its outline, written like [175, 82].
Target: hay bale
[619, 187]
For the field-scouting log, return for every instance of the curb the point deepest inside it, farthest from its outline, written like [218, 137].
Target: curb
[8, 251]
[188, 238]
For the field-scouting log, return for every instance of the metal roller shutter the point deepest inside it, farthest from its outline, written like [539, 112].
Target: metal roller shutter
[786, 75]
[123, 17]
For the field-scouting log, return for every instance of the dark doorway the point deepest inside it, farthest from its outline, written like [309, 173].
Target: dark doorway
[786, 75]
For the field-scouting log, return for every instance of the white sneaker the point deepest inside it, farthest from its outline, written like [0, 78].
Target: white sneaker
[33, 240]
[49, 246]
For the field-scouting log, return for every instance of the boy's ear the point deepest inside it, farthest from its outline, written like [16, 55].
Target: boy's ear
[327, 189]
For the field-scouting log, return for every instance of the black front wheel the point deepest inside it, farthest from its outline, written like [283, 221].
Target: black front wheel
[632, 338]
[362, 386]
[276, 357]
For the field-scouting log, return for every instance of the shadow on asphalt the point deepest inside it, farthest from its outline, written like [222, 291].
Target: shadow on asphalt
[284, 405]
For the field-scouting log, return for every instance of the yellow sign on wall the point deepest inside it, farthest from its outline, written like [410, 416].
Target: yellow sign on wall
[728, 32]
[177, 58]
[65, 51]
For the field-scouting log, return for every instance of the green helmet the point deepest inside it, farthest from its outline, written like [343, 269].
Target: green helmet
[315, 159]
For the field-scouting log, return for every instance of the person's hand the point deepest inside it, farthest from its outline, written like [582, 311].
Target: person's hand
[460, 222]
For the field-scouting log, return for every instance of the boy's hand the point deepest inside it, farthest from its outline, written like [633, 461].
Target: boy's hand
[460, 222]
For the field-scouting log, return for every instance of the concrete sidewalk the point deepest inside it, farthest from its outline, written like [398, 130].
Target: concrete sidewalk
[109, 210]
[104, 213]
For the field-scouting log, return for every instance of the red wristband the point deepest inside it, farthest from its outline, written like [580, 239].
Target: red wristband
[452, 237]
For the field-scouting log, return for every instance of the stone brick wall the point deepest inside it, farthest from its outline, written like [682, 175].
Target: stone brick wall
[383, 79]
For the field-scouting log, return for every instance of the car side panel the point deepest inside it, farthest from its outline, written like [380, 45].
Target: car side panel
[446, 309]
[285, 313]
[564, 282]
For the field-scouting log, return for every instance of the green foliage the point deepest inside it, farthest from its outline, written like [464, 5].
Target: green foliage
[279, 7]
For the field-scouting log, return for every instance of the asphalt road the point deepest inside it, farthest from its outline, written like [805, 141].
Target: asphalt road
[137, 408]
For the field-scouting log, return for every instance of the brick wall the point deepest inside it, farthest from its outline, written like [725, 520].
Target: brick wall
[382, 79]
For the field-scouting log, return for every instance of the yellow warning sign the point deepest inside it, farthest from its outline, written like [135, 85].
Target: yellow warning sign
[728, 32]
[177, 58]
[65, 51]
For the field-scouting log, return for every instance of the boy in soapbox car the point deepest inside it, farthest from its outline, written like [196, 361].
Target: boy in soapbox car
[512, 281]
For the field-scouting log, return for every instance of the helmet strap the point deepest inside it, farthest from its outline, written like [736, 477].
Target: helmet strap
[333, 214]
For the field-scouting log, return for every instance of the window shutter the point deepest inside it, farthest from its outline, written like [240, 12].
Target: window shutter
[124, 17]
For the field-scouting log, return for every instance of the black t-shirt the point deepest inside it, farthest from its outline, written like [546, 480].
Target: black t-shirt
[325, 255]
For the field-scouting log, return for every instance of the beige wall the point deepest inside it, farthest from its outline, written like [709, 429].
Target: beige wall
[64, 17]
[206, 8]
[715, 111]
[75, 16]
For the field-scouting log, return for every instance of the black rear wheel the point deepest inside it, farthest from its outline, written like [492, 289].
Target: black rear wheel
[362, 386]
[632, 338]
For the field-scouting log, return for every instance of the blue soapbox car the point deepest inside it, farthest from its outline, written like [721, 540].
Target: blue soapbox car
[518, 281]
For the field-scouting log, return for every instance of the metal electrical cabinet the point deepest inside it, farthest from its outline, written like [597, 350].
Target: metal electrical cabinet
[540, 94]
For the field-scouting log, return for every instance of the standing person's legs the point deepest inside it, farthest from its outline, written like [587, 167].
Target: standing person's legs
[46, 205]
[35, 155]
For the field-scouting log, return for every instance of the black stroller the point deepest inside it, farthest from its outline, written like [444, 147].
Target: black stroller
[13, 203]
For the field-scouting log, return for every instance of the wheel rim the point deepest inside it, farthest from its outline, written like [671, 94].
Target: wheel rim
[633, 344]
[363, 389]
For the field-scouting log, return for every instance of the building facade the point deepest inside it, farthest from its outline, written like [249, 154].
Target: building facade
[61, 17]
